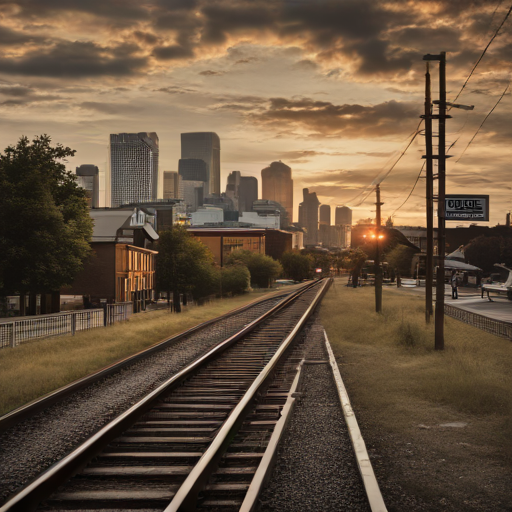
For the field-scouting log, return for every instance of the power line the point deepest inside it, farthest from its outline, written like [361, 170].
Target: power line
[483, 53]
[412, 190]
[413, 137]
[483, 122]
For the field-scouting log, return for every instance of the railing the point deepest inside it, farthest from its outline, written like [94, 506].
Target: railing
[15, 331]
[119, 312]
[496, 327]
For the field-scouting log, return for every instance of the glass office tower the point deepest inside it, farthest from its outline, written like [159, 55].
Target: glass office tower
[205, 146]
[133, 167]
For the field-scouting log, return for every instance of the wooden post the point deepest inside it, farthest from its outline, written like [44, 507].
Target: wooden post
[378, 273]
[430, 200]
[441, 237]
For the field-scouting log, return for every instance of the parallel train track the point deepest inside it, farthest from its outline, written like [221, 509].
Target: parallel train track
[194, 442]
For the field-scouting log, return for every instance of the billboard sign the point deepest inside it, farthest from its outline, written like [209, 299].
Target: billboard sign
[467, 207]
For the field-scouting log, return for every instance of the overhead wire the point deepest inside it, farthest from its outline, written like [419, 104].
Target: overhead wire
[483, 122]
[483, 53]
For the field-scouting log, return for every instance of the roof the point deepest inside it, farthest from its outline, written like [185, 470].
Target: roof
[226, 231]
[107, 222]
[458, 265]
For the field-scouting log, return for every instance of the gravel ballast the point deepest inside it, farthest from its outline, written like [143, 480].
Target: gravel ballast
[315, 467]
[31, 446]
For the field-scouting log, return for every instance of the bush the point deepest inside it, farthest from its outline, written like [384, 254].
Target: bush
[236, 279]
[296, 266]
[263, 269]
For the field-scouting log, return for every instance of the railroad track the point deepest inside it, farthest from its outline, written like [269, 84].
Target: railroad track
[196, 441]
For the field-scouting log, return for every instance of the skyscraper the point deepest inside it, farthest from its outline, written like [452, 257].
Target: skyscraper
[343, 216]
[277, 185]
[88, 178]
[194, 176]
[133, 167]
[248, 193]
[325, 214]
[205, 146]
[308, 216]
[171, 185]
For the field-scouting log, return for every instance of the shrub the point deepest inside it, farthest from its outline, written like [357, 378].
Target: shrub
[236, 279]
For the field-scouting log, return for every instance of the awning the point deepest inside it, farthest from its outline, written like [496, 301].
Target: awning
[151, 232]
[459, 265]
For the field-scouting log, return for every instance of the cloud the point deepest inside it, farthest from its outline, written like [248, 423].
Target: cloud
[173, 52]
[9, 37]
[108, 108]
[326, 119]
[174, 89]
[75, 59]
[16, 90]
[210, 72]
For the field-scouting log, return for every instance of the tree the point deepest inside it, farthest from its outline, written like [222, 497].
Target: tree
[45, 227]
[353, 260]
[263, 268]
[485, 251]
[400, 258]
[297, 266]
[236, 279]
[184, 264]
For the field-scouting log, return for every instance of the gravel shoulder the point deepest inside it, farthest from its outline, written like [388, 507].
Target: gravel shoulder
[315, 467]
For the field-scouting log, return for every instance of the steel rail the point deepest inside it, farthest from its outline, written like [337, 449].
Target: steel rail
[29, 497]
[185, 499]
[28, 410]
[263, 472]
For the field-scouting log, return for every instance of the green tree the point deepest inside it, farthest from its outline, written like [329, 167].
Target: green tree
[297, 266]
[353, 260]
[184, 264]
[45, 227]
[400, 258]
[263, 268]
[485, 251]
[236, 279]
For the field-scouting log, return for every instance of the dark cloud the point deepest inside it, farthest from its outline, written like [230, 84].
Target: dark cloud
[75, 59]
[113, 10]
[108, 108]
[173, 52]
[306, 64]
[246, 60]
[210, 72]
[27, 100]
[174, 89]
[146, 37]
[16, 90]
[325, 118]
[9, 37]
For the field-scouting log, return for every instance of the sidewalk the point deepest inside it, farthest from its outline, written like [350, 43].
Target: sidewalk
[469, 300]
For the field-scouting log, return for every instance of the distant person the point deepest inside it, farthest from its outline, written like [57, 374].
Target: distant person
[455, 292]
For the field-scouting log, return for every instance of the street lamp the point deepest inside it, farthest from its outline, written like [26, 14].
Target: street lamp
[378, 271]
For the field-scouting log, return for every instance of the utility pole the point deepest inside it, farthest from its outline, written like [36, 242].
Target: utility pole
[441, 177]
[441, 219]
[430, 199]
[378, 272]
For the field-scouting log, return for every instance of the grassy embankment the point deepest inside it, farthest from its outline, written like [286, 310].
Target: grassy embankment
[404, 390]
[38, 367]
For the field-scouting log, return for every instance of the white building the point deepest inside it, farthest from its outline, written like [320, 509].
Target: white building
[207, 215]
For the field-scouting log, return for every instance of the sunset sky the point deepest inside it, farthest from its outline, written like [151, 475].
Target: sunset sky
[332, 88]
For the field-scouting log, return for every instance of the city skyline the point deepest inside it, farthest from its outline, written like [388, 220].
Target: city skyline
[334, 89]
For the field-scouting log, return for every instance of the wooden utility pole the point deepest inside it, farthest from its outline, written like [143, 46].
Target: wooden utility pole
[441, 219]
[430, 199]
[378, 271]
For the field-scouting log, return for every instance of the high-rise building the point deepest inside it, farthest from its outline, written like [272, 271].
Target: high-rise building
[133, 167]
[325, 215]
[308, 216]
[233, 188]
[277, 185]
[204, 146]
[87, 177]
[343, 216]
[248, 193]
[266, 207]
[193, 169]
[171, 185]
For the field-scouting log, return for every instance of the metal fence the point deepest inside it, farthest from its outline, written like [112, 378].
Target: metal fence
[15, 331]
[119, 312]
[496, 327]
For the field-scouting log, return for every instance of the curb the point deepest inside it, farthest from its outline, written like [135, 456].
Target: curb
[363, 460]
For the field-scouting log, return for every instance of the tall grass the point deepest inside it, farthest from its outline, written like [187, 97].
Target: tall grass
[39, 367]
[395, 352]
